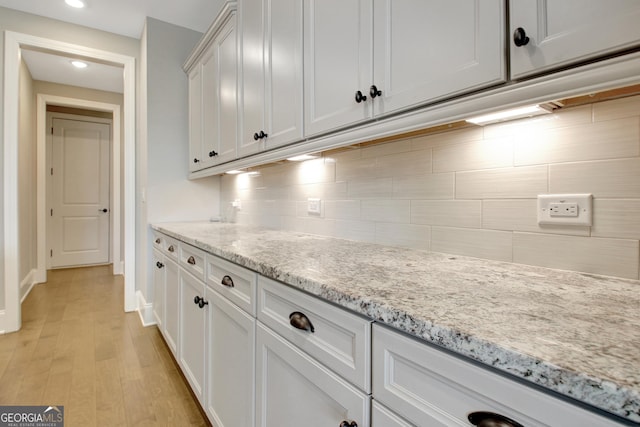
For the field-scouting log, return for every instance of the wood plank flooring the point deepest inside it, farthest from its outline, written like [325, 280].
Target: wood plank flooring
[78, 348]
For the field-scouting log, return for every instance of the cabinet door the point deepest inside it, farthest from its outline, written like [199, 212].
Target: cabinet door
[172, 305]
[195, 118]
[284, 80]
[562, 32]
[230, 363]
[337, 63]
[219, 88]
[252, 17]
[192, 332]
[294, 390]
[425, 50]
[158, 287]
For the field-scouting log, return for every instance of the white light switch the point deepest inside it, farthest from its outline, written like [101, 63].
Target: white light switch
[314, 206]
[565, 209]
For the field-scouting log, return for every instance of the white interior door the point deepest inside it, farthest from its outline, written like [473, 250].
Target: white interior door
[80, 172]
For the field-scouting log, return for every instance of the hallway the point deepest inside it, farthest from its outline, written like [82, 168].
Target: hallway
[77, 348]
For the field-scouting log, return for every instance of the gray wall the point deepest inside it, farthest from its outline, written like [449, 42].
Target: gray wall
[163, 144]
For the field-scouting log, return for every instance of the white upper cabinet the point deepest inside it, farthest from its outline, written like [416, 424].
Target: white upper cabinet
[271, 68]
[337, 63]
[413, 52]
[213, 107]
[548, 34]
[428, 50]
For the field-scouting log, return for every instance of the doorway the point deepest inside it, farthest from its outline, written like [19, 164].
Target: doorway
[79, 165]
[10, 318]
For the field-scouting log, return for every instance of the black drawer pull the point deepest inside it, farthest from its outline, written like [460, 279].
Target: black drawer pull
[300, 321]
[158, 241]
[171, 249]
[159, 264]
[227, 281]
[489, 419]
[348, 424]
[191, 260]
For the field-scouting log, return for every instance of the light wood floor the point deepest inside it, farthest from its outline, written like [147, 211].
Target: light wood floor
[77, 348]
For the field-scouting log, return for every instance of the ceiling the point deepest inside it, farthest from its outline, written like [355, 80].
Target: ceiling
[123, 17]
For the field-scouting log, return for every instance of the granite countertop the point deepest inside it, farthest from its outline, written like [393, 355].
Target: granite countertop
[575, 333]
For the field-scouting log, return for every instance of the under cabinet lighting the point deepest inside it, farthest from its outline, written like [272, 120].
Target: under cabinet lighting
[79, 64]
[512, 114]
[234, 172]
[78, 4]
[303, 157]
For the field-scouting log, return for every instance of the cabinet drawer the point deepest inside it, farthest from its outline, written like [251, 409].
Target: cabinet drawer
[382, 417]
[431, 387]
[234, 282]
[335, 337]
[293, 389]
[170, 247]
[158, 240]
[192, 260]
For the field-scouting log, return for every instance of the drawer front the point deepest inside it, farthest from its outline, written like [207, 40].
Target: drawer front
[335, 337]
[192, 260]
[171, 247]
[158, 240]
[430, 387]
[232, 281]
[382, 417]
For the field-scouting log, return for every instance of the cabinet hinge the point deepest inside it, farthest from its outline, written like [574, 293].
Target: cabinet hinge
[51, 212]
[51, 171]
[51, 253]
[52, 130]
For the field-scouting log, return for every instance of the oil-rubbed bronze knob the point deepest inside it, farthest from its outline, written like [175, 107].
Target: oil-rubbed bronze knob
[158, 241]
[348, 424]
[300, 321]
[489, 419]
[227, 281]
[191, 260]
[171, 248]
[520, 37]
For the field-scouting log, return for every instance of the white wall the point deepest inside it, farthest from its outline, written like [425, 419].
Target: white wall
[471, 192]
[163, 145]
[56, 30]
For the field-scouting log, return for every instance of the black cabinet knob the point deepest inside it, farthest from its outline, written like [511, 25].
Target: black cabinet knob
[196, 299]
[259, 135]
[373, 91]
[159, 264]
[195, 160]
[360, 97]
[213, 153]
[348, 424]
[520, 37]
[105, 210]
[489, 419]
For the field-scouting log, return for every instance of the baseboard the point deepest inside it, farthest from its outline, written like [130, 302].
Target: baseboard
[118, 268]
[2, 326]
[27, 284]
[145, 310]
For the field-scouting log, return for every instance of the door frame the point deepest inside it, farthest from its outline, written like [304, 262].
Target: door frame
[114, 169]
[10, 320]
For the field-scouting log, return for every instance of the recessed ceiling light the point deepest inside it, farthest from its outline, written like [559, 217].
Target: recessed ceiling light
[79, 64]
[78, 4]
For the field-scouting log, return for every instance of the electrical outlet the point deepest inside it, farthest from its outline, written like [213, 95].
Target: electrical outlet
[565, 209]
[314, 206]
[237, 203]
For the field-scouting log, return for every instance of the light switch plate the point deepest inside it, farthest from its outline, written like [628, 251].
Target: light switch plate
[565, 209]
[314, 206]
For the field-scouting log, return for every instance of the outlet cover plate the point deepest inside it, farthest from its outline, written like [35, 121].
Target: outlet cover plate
[560, 209]
[314, 206]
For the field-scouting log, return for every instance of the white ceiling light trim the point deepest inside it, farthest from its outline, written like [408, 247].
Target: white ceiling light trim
[78, 4]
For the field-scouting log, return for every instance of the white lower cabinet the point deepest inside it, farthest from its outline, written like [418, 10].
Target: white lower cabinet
[429, 387]
[191, 353]
[229, 364]
[292, 389]
[158, 287]
[382, 417]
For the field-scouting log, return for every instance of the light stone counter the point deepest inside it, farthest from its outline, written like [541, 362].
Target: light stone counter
[577, 334]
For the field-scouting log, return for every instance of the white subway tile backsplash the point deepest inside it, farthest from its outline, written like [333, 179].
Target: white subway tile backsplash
[616, 218]
[386, 210]
[521, 215]
[612, 178]
[597, 141]
[611, 257]
[485, 154]
[430, 186]
[470, 191]
[488, 244]
[405, 235]
[617, 109]
[508, 183]
[448, 213]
